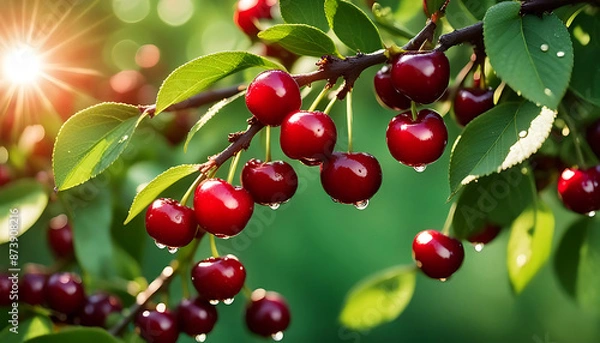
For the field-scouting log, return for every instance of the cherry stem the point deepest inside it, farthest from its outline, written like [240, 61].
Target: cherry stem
[327, 109]
[213, 246]
[413, 110]
[318, 99]
[247, 291]
[233, 167]
[268, 144]
[449, 218]
[349, 120]
[191, 188]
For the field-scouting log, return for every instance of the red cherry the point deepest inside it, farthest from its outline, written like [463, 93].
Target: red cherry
[6, 284]
[579, 189]
[267, 313]
[60, 237]
[64, 293]
[222, 209]
[308, 136]
[170, 223]
[218, 278]
[158, 326]
[593, 137]
[32, 288]
[387, 95]
[196, 317]
[485, 235]
[419, 142]
[5, 174]
[98, 307]
[249, 11]
[436, 254]
[351, 178]
[471, 102]
[272, 95]
[269, 183]
[421, 76]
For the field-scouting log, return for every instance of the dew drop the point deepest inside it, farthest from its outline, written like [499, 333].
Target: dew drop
[172, 250]
[228, 301]
[523, 134]
[544, 47]
[274, 206]
[548, 92]
[200, 338]
[420, 169]
[478, 247]
[159, 245]
[278, 336]
[591, 214]
[335, 200]
[123, 139]
[443, 279]
[519, 93]
[560, 54]
[361, 205]
[214, 302]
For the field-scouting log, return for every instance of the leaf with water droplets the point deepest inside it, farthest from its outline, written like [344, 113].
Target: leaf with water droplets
[379, 298]
[529, 244]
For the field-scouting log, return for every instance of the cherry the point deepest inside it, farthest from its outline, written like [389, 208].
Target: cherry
[471, 102]
[64, 293]
[249, 11]
[218, 278]
[267, 314]
[418, 142]
[485, 235]
[170, 223]
[196, 317]
[5, 174]
[579, 189]
[222, 209]
[308, 136]
[98, 307]
[286, 57]
[272, 95]
[351, 177]
[545, 169]
[593, 137]
[269, 183]
[436, 254]
[5, 289]
[60, 237]
[32, 288]
[421, 76]
[387, 95]
[158, 326]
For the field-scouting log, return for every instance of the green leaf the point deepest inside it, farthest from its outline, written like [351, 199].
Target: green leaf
[532, 54]
[379, 299]
[21, 204]
[577, 262]
[529, 245]
[153, 189]
[502, 137]
[77, 335]
[92, 239]
[27, 330]
[352, 26]
[300, 39]
[91, 140]
[497, 199]
[196, 75]
[585, 81]
[310, 12]
[212, 111]
[461, 13]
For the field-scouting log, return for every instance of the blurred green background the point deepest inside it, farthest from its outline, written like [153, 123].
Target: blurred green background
[311, 250]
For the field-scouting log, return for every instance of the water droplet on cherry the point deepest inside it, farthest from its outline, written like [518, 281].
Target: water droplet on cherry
[479, 247]
[172, 250]
[591, 214]
[361, 205]
[200, 338]
[274, 206]
[278, 336]
[214, 302]
[420, 169]
[159, 245]
[228, 301]
[443, 279]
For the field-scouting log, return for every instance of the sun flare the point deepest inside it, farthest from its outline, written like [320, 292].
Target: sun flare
[22, 65]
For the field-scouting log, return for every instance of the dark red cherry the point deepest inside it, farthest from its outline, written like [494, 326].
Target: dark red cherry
[272, 95]
[387, 95]
[436, 254]
[158, 326]
[60, 237]
[32, 288]
[222, 209]
[196, 317]
[171, 224]
[545, 169]
[593, 137]
[579, 189]
[351, 177]
[269, 183]
[218, 278]
[6, 285]
[471, 102]
[5, 174]
[308, 136]
[421, 76]
[267, 314]
[419, 142]
[485, 235]
[98, 307]
[286, 57]
[247, 12]
[64, 293]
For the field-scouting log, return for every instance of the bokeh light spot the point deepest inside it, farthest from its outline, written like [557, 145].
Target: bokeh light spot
[126, 81]
[124, 53]
[147, 56]
[175, 12]
[131, 11]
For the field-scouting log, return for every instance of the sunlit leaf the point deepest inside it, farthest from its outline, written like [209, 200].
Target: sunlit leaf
[21, 204]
